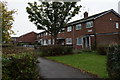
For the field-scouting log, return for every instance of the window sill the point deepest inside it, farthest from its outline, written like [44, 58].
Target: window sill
[68, 31]
[89, 27]
[78, 29]
[79, 44]
[69, 43]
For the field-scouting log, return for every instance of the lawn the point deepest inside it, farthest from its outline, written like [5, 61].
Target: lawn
[88, 61]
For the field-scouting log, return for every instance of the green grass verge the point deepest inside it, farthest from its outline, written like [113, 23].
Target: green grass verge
[88, 61]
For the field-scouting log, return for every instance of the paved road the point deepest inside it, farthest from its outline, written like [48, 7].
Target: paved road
[50, 69]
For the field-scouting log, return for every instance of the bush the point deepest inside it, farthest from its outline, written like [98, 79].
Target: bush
[102, 50]
[19, 66]
[113, 62]
[55, 50]
[15, 50]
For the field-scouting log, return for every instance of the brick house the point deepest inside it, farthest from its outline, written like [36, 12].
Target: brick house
[91, 31]
[28, 38]
[14, 39]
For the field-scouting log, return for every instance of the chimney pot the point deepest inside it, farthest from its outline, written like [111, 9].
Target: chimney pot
[85, 14]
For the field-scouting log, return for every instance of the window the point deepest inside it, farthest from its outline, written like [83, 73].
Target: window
[45, 42]
[68, 40]
[42, 35]
[89, 24]
[78, 27]
[42, 42]
[69, 29]
[46, 33]
[117, 25]
[37, 36]
[49, 41]
[79, 41]
[63, 30]
[53, 41]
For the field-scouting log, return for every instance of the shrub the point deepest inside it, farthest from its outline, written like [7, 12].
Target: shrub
[113, 62]
[55, 50]
[19, 63]
[19, 66]
[102, 50]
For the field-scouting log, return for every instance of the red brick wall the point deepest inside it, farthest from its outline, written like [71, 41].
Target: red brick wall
[107, 39]
[105, 25]
[28, 38]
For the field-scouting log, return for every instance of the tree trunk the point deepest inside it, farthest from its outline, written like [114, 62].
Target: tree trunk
[55, 39]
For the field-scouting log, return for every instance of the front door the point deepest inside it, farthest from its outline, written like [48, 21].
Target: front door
[86, 42]
[61, 41]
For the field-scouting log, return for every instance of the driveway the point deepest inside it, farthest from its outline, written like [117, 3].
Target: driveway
[50, 69]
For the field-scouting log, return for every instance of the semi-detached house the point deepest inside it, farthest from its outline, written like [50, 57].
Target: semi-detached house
[91, 31]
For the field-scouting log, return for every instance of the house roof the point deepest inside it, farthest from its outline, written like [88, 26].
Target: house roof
[28, 33]
[94, 17]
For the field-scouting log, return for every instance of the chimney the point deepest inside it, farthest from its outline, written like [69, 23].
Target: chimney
[85, 14]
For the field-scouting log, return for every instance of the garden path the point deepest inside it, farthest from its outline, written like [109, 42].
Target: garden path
[51, 69]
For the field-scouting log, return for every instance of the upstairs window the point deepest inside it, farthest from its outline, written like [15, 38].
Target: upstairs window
[63, 30]
[89, 24]
[68, 40]
[117, 25]
[78, 27]
[69, 29]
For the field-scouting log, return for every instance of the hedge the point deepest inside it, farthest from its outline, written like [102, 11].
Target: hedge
[113, 62]
[55, 50]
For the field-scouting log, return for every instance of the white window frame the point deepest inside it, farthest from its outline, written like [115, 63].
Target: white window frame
[77, 43]
[53, 41]
[68, 40]
[45, 42]
[46, 33]
[69, 29]
[78, 27]
[117, 25]
[89, 24]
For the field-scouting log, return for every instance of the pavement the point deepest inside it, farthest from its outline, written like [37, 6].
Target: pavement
[51, 69]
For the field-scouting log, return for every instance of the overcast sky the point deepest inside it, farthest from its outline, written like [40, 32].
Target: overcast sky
[22, 25]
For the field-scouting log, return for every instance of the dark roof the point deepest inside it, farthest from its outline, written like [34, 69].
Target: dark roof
[15, 37]
[93, 17]
[28, 33]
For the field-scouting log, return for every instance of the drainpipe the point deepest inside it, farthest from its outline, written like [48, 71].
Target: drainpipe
[73, 37]
[94, 32]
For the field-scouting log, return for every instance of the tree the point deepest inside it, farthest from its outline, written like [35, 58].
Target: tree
[6, 21]
[52, 16]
